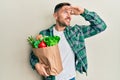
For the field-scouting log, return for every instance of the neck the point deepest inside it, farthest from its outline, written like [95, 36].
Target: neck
[59, 27]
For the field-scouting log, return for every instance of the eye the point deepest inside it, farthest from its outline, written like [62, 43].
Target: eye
[65, 11]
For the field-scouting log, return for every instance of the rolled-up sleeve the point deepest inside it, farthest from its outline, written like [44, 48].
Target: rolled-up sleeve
[97, 25]
[33, 60]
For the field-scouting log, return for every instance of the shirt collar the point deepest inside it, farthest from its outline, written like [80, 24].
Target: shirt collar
[66, 29]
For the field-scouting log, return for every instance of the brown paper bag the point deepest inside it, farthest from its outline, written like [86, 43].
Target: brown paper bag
[50, 56]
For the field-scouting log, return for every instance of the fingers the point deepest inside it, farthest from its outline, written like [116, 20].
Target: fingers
[44, 70]
[45, 73]
[38, 36]
[41, 69]
[76, 10]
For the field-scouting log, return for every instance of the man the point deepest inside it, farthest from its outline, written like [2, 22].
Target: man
[71, 45]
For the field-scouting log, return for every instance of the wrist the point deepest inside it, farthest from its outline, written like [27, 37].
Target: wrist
[84, 12]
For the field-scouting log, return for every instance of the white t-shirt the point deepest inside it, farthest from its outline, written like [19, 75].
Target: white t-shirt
[67, 56]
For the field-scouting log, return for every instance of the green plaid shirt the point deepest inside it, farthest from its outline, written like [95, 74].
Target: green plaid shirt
[76, 35]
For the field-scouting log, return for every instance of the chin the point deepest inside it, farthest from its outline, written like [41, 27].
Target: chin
[67, 24]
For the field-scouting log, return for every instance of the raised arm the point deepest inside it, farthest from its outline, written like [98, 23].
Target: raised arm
[97, 25]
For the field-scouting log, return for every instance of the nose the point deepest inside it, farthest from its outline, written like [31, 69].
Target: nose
[69, 14]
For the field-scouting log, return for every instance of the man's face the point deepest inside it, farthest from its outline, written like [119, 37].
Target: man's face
[63, 16]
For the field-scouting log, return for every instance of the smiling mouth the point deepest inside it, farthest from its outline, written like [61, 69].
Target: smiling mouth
[68, 19]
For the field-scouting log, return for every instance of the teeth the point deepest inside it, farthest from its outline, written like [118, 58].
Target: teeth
[68, 20]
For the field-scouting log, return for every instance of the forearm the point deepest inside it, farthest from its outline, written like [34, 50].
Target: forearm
[33, 60]
[94, 19]
[97, 25]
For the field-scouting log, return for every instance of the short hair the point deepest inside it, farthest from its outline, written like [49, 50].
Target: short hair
[60, 5]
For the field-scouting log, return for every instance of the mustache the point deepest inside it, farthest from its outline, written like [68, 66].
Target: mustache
[68, 18]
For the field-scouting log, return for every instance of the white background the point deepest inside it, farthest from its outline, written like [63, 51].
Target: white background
[22, 18]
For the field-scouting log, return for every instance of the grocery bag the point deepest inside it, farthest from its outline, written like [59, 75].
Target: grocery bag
[50, 56]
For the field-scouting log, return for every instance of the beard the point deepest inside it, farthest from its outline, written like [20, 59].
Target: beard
[62, 23]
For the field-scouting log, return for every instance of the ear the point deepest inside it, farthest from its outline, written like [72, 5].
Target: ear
[55, 15]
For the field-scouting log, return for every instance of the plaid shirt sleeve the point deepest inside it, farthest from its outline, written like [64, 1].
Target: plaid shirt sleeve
[33, 60]
[97, 25]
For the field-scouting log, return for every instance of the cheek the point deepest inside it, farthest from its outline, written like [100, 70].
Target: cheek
[64, 15]
[61, 17]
